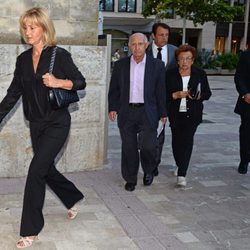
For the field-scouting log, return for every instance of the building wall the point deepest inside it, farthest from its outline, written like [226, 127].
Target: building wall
[207, 36]
[200, 36]
[75, 20]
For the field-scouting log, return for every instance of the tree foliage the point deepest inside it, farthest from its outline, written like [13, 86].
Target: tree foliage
[199, 11]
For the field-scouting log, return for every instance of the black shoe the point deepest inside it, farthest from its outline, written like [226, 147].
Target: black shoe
[130, 186]
[148, 179]
[242, 169]
[156, 172]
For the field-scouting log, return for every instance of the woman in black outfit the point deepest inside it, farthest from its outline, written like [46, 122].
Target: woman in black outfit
[187, 87]
[48, 128]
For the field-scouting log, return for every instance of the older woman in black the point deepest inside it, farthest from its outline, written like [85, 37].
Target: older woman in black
[187, 87]
[48, 128]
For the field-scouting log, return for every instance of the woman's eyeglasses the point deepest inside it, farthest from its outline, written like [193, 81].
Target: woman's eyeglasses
[188, 59]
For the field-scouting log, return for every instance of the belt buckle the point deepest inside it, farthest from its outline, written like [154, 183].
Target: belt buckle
[136, 105]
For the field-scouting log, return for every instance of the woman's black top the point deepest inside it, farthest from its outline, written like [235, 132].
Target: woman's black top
[194, 107]
[29, 84]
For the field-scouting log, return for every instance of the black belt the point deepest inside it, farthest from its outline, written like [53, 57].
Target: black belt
[136, 105]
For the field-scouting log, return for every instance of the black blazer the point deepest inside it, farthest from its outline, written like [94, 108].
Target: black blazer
[194, 107]
[154, 90]
[242, 82]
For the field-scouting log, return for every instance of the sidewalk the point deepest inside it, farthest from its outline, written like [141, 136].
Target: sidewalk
[212, 213]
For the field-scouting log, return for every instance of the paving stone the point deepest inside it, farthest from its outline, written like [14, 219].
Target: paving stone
[136, 205]
[187, 237]
[172, 243]
[213, 183]
[133, 226]
[149, 244]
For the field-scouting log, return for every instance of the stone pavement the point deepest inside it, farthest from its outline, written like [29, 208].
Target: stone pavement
[211, 213]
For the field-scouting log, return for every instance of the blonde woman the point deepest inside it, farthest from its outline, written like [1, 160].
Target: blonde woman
[49, 128]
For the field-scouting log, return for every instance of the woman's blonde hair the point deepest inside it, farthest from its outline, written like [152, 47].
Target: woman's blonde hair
[39, 17]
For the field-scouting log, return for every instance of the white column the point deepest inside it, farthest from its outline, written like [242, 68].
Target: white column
[244, 40]
[228, 42]
[116, 6]
[139, 6]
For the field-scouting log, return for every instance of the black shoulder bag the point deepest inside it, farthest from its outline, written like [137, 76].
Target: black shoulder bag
[60, 98]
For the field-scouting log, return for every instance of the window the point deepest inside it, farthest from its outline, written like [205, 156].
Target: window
[219, 44]
[236, 2]
[127, 6]
[239, 2]
[106, 5]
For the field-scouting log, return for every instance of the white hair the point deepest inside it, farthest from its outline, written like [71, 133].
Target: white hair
[138, 34]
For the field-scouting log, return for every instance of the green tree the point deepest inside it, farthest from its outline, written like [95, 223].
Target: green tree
[199, 11]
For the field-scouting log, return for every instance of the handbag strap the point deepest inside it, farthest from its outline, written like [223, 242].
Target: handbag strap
[52, 61]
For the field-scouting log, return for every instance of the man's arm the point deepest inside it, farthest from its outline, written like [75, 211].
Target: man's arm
[161, 93]
[114, 94]
[241, 75]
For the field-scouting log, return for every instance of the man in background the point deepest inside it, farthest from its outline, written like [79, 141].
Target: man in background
[242, 82]
[159, 48]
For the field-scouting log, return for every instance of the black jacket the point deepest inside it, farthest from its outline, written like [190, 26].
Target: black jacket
[242, 82]
[154, 90]
[194, 107]
[29, 84]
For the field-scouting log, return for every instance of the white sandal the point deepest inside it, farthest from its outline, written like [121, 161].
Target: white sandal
[72, 213]
[26, 241]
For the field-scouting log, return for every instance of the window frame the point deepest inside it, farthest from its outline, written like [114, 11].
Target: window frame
[103, 4]
[127, 7]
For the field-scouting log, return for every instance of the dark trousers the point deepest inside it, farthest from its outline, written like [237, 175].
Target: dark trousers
[47, 138]
[182, 144]
[139, 141]
[160, 142]
[245, 139]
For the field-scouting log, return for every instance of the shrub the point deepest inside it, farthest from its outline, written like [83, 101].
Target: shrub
[228, 60]
[207, 60]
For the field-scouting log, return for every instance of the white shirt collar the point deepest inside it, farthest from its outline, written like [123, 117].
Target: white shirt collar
[154, 47]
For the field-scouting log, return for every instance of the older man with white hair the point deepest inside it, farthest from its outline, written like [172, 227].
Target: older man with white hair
[137, 97]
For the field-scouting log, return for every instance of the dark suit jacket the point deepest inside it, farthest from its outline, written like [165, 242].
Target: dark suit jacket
[242, 82]
[171, 63]
[194, 107]
[154, 90]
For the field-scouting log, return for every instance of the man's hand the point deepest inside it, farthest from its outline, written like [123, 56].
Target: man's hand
[247, 98]
[163, 120]
[112, 115]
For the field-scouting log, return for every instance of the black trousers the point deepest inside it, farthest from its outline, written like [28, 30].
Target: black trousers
[47, 138]
[182, 143]
[160, 142]
[139, 142]
[245, 139]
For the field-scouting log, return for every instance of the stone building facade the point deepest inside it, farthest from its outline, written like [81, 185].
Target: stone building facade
[75, 20]
[76, 23]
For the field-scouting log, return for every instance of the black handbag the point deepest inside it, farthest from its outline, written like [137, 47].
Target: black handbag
[60, 98]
